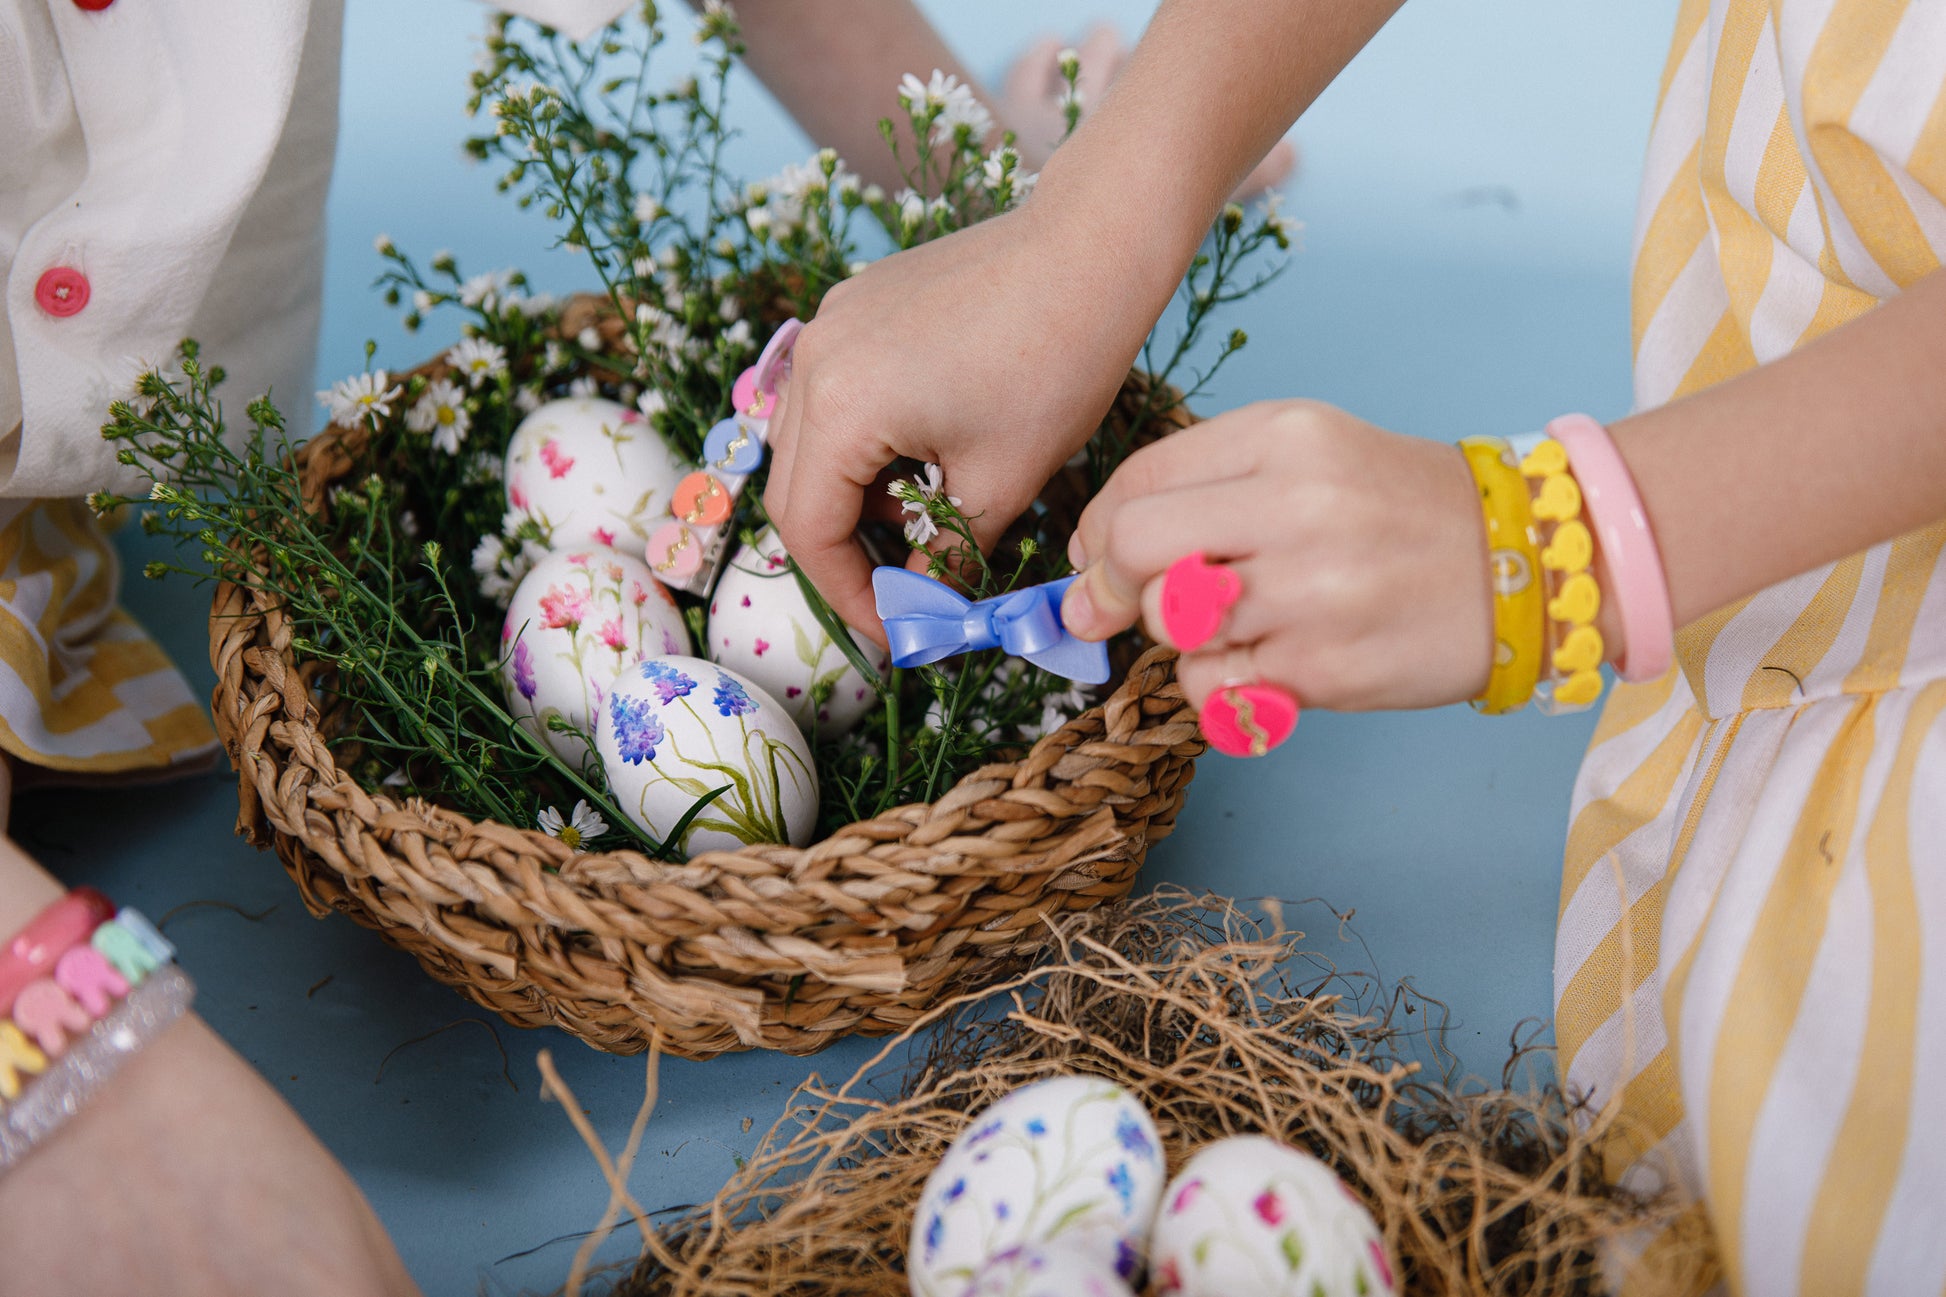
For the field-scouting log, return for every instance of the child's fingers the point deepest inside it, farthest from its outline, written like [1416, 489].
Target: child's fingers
[1146, 535]
[1202, 674]
[1102, 52]
[1188, 459]
[1035, 76]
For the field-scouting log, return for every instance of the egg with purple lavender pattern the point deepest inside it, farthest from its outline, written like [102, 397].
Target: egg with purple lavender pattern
[591, 471]
[761, 624]
[677, 728]
[1251, 1215]
[1073, 1162]
[575, 621]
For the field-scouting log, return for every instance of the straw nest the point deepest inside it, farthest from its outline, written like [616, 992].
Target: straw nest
[1215, 1020]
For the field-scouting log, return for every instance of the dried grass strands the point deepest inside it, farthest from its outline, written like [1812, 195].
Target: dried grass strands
[1192, 1004]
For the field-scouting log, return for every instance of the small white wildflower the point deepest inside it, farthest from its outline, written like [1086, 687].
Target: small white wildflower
[358, 397]
[486, 556]
[647, 208]
[912, 209]
[408, 524]
[729, 308]
[919, 527]
[382, 245]
[527, 400]
[579, 829]
[857, 267]
[738, 334]
[588, 339]
[441, 412]
[962, 108]
[584, 386]
[758, 219]
[396, 779]
[422, 301]
[1070, 99]
[156, 490]
[484, 291]
[651, 403]
[554, 357]
[478, 360]
[917, 95]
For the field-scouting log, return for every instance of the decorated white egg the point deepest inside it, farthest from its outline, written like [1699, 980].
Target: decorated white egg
[1072, 1162]
[1251, 1215]
[591, 471]
[761, 624]
[677, 728]
[1037, 1270]
[574, 622]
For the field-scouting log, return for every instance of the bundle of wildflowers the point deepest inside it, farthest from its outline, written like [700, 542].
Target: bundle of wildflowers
[397, 584]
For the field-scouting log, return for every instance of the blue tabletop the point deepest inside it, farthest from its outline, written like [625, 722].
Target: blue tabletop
[1468, 191]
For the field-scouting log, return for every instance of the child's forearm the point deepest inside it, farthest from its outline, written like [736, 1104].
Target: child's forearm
[835, 66]
[1832, 449]
[1212, 86]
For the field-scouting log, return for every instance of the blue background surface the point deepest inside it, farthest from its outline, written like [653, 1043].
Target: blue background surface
[1468, 191]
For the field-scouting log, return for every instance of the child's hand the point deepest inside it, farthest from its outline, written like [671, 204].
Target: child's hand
[991, 352]
[1361, 555]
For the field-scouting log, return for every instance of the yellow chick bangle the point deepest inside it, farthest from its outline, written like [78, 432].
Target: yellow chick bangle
[1513, 560]
[1575, 649]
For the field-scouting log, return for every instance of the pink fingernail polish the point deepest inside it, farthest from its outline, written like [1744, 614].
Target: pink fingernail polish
[1248, 720]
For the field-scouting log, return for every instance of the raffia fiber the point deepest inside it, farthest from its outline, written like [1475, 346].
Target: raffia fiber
[1203, 1012]
[768, 946]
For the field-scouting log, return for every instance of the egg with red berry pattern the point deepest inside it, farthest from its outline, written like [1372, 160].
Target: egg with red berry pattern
[575, 621]
[677, 728]
[591, 471]
[1250, 1217]
[761, 624]
[1072, 1163]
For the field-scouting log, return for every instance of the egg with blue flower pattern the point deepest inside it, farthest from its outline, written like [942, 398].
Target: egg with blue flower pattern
[675, 729]
[1073, 1163]
[1048, 1270]
[1250, 1215]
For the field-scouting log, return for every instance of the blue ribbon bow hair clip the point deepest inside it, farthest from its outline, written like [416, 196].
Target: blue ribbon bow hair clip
[926, 620]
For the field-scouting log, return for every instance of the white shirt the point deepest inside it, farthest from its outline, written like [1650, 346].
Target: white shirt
[172, 158]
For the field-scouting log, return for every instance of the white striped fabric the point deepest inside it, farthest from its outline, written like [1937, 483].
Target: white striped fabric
[1751, 961]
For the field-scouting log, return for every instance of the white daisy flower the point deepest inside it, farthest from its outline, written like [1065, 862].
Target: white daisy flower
[478, 359]
[651, 403]
[758, 219]
[486, 556]
[441, 412]
[358, 397]
[484, 291]
[647, 208]
[919, 527]
[912, 209]
[579, 829]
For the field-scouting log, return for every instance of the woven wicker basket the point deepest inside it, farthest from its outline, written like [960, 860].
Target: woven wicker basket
[769, 946]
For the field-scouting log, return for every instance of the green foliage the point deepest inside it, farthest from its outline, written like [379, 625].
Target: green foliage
[697, 266]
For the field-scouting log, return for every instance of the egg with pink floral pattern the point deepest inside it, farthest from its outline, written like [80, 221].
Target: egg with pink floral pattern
[575, 622]
[591, 471]
[1250, 1217]
[761, 624]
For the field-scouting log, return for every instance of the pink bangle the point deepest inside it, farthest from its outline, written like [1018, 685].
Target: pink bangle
[1614, 510]
[32, 954]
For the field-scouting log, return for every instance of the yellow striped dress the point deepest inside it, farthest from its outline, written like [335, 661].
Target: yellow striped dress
[1750, 970]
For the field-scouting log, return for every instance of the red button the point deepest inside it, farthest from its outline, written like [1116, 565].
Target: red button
[62, 291]
[92, 5]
